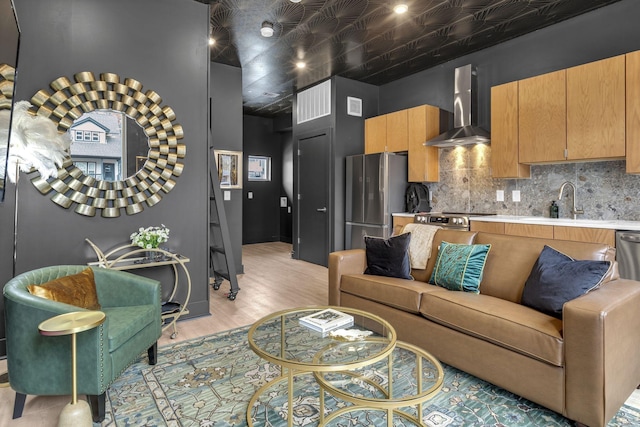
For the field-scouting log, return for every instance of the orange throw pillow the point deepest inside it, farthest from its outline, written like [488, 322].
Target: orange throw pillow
[77, 289]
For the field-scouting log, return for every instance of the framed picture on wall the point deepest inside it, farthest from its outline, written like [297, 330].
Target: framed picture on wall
[259, 168]
[229, 164]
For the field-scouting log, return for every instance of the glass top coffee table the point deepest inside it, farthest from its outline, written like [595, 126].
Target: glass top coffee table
[338, 362]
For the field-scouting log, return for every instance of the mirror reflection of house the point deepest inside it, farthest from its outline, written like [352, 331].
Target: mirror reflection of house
[96, 144]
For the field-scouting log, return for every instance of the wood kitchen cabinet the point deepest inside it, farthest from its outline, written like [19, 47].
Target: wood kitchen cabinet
[397, 132]
[596, 110]
[633, 112]
[399, 222]
[573, 114]
[542, 118]
[556, 232]
[375, 134]
[423, 124]
[504, 133]
[387, 132]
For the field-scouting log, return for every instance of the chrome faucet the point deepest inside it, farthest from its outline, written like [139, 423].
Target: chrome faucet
[574, 211]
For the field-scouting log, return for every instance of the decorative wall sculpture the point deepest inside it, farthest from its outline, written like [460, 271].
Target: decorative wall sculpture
[69, 101]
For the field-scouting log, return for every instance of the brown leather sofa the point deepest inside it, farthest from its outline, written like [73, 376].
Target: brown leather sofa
[584, 366]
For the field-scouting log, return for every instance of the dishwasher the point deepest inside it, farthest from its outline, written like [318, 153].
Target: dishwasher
[628, 254]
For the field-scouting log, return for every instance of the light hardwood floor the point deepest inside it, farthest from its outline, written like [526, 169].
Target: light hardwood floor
[272, 281]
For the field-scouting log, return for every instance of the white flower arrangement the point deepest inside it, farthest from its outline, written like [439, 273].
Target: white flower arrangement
[150, 237]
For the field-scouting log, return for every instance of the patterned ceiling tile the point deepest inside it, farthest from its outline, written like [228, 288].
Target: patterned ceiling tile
[363, 39]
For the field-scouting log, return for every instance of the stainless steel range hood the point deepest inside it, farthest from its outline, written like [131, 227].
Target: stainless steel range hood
[465, 101]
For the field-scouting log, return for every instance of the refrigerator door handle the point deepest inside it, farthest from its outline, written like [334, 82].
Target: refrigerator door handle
[321, 209]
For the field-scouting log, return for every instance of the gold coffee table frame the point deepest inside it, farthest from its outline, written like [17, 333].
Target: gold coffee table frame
[290, 368]
[75, 413]
[389, 404]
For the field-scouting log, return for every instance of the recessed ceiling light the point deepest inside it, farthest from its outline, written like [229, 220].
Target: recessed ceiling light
[267, 29]
[212, 41]
[400, 8]
[301, 64]
[294, 1]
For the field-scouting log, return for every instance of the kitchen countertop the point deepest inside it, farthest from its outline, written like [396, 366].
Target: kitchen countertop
[404, 214]
[567, 222]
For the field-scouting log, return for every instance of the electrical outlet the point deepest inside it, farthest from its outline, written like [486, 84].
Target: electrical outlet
[500, 195]
[515, 195]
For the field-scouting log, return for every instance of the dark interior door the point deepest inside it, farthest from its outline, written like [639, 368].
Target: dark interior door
[313, 208]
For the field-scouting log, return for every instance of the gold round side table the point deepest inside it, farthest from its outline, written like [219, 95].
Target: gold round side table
[75, 413]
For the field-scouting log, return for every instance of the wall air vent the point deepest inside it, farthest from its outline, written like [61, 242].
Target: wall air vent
[314, 102]
[354, 106]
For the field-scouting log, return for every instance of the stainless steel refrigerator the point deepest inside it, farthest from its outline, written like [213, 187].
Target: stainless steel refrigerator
[376, 184]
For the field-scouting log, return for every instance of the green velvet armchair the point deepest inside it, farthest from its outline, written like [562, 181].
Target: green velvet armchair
[41, 365]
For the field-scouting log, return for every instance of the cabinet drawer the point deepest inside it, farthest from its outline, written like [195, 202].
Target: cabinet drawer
[488, 227]
[529, 230]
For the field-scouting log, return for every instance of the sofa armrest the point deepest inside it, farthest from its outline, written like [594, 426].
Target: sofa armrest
[352, 261]
[602, 351]
[121, 289]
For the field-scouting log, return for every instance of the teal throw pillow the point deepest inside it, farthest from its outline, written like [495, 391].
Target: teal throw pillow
[459, 267]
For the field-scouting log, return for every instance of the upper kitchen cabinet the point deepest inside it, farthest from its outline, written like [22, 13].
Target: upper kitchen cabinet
[633, 112]
[375, 134]
[596, 110]
[542, 118]
[387, 132]
[504, 133]
[397, 133]
[424, 124]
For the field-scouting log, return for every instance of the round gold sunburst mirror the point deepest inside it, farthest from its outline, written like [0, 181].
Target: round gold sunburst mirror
[74, 102]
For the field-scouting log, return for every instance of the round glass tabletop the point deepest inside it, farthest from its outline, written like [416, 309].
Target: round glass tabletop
[285, 339]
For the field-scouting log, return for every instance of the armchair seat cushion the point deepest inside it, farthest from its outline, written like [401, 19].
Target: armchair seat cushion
[125, 322]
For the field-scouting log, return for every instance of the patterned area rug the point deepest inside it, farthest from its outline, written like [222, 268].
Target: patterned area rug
[210, 381]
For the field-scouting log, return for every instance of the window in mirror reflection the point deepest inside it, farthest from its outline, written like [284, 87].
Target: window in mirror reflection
[96, 144]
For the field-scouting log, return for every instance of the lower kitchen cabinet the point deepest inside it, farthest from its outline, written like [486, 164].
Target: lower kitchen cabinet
[556, 232]
[399, 222]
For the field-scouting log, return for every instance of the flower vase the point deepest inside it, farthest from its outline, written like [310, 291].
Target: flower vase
[150, 255]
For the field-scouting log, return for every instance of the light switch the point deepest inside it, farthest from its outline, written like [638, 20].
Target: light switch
[249, 194]
[515, 195]
[500, 195]
[283, 202]
[227, 195]
[288, 209]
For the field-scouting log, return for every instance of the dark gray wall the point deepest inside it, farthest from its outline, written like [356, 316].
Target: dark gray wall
[226, 131]
[261, 214]
[286, 190]
[162, 44]
[347, 138]
[605, 32]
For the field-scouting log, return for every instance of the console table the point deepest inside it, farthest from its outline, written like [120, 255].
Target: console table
[131, 257]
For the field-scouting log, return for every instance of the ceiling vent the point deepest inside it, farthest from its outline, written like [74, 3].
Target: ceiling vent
[314, 102]
[270, 95]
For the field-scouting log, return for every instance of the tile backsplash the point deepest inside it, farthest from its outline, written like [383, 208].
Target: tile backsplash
[604, 190]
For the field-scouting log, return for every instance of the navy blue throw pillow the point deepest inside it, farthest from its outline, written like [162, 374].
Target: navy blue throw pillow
[388, 257]
[557, 278]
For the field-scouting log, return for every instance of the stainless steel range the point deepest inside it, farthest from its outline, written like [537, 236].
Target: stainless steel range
[449, 220]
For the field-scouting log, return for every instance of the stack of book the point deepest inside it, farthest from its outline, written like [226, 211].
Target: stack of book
[327, 320]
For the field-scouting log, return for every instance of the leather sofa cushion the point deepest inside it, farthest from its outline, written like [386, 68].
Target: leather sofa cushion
[503, 323]
[512, 257]
[125, 322]
[399, 293]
